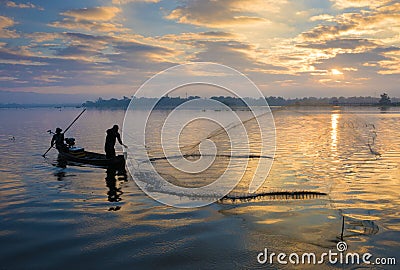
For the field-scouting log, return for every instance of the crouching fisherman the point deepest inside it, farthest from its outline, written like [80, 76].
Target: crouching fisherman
[58, 141]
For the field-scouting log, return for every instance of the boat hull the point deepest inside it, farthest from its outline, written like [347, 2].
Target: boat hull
[93, 158]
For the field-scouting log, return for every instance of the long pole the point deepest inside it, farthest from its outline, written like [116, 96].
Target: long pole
[73, 122]
[341, 236]
[76, 118]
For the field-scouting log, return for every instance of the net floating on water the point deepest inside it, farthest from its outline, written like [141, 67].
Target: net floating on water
[278, 195]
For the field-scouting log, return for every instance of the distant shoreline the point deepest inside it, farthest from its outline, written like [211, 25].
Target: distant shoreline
[168, 103]
[26, 106]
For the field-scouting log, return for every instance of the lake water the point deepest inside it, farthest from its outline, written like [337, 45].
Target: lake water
[77, 217]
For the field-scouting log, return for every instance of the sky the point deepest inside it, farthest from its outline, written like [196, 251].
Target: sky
[288, 48]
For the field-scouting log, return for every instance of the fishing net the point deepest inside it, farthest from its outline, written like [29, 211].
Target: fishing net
[220, 147]
[314, 148]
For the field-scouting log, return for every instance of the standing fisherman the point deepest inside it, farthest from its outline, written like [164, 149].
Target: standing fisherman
[112, 136]
[58, 140]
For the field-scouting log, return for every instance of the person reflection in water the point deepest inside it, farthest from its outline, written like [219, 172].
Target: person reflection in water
[114, 193]
[112, 136]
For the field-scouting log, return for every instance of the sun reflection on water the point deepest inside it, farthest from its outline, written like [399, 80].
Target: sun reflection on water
[334, 132]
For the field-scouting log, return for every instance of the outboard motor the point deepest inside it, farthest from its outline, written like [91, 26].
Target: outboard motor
[70, 142]
[72, 149]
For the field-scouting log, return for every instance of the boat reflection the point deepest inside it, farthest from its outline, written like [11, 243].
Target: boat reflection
[114, 176]
[61, 163]
[60, 175]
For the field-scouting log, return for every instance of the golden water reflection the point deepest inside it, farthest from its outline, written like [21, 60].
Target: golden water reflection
[334, 133]
[65, 220]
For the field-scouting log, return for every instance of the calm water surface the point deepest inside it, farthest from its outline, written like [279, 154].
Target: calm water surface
[73, 217]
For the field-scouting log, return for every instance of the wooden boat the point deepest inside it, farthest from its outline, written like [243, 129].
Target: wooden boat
[91, 158]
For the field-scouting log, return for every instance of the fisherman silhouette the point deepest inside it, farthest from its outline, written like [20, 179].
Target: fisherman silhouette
[58, 140]
[112, 136]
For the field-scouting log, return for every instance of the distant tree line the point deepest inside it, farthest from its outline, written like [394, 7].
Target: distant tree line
[172, 102]
[108, 103]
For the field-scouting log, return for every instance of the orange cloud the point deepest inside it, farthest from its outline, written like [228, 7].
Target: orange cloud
[391, 65]
[382, 23]
[98, 19]
[222, 13]
[92, 14]
[322, 17]
[6, 22]
[343, 4]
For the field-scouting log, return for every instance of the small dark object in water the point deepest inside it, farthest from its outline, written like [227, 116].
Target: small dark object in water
[116, 208]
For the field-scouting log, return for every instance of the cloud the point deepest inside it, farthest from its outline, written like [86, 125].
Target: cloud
[92, 14]
[124, 2]
[350, 69]
[281, 45]
[239, 55]
[133, 53]
[89, 26]
[391, 65]
[191, 38]
[97, 19]
[395, 7]
[350, 44]
[6, 22]
[216, 46]
[327, 31]
[104, 49]
[48, 78]
[12, 4]
[43, 36]
[6, 78]
[21, 62]
[221, 13]
[82, 59]
[366, 23]
[323, 46]
[353, 69]
[322, 17]
[344, 4]
[371, 32]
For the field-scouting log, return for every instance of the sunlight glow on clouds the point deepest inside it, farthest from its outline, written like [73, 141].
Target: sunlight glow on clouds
[343, 4]
[336, 72]
[215, 14]
[288, 47]
[95, 14]
[91, 19]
